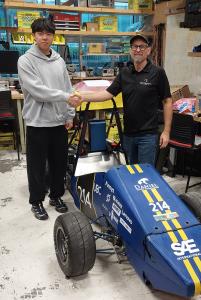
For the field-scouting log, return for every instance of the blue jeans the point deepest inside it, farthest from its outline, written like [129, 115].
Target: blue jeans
[141, 149]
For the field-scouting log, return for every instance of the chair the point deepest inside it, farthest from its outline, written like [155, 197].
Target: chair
[183, 138]
[7, 114]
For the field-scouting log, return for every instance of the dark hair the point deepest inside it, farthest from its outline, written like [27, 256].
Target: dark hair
[43, 24]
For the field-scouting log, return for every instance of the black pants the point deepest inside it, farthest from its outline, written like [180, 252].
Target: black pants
[46, 144]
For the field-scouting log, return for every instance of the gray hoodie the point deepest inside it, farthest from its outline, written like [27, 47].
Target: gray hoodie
[46, 87]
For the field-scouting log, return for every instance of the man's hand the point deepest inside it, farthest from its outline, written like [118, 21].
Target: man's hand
[69, 124]
[164, 139]
[75, 99]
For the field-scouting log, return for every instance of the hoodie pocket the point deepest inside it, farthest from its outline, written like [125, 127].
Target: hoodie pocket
[52, 112]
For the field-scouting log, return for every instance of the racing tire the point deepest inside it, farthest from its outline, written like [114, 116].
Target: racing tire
[74, 243]
[193, 201]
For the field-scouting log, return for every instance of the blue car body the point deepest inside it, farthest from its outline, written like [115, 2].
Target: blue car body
[160, 233]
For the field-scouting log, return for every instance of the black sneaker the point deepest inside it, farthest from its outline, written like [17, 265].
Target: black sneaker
[39, 211]
[59, 205]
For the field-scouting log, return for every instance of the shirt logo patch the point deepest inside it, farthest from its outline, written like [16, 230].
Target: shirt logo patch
[145, 82]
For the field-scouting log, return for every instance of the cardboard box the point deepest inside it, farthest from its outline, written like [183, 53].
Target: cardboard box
[66, 21]
[22, 38]
[100, 3]
[58, 40]
[80, 3]
[6, 147]
[96, 48]
[180, 91]
[107, 23]
[91, 26]
[140, 5]
[26, 18]
[61, 17]
[6, 141]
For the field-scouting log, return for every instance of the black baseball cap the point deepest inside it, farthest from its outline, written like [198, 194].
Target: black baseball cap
[139, 37]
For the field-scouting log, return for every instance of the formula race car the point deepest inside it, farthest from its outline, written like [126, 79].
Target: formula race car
[138, 212]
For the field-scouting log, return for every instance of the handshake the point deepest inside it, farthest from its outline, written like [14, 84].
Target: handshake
[75, 99]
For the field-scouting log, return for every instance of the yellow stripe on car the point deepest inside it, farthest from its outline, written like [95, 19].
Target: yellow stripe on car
[193, 276]
[198, 262]
[157, 195]
[170, 232]
[130, 169]
[138, 168]
[148, 196]
[180, 231]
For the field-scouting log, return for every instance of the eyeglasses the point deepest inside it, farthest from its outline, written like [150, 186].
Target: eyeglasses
[141, 47]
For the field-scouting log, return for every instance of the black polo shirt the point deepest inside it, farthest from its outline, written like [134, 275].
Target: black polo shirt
[142, 94]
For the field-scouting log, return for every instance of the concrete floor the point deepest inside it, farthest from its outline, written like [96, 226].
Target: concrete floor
[28, 265]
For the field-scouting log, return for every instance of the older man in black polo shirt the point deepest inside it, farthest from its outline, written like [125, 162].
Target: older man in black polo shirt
[144, 87]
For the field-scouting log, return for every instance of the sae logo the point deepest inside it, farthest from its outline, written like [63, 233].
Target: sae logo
[185, 247]
[144, 184]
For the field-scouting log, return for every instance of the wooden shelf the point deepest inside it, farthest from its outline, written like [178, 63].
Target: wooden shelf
[196, 29]
[99, 10]
[194, 54]
[79, 33]
[7, 28]
[176, 12]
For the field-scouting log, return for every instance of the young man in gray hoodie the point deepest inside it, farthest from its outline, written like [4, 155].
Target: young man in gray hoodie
[46, 87]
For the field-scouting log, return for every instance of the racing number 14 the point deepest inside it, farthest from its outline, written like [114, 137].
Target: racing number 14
[159, 206]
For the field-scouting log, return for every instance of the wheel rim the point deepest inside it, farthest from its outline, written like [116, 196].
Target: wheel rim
[62, 246]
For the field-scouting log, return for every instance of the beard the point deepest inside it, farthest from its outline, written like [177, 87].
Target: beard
[138, 59]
